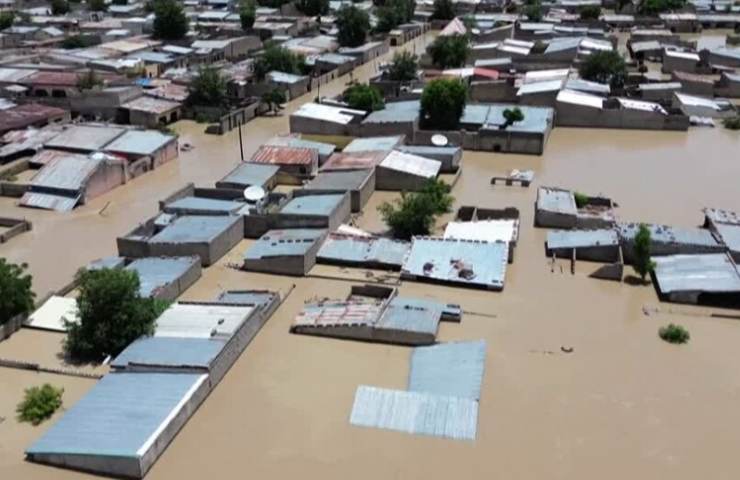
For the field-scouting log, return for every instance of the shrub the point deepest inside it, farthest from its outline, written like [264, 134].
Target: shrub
[533, 12]
[247, 14]
[170, 22]
[443, 10]
[604, 67]
[442, 103]
[450, 52]
[415, 213]
[643, 265]
[732, 123]
[39, 404]
[208, 88]
[16, 295]
[654, 7]
[590, 12]
[364, 97]
[279, 59]
[353, 25]
[79, 41]
[313, 8]
[59, 7]
[274, 99]
[581, 199]
[404, 67]
[673, 333]
[512, 115]
[89, 80]
[6, 20]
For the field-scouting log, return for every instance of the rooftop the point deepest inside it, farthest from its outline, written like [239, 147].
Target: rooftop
[279, 155]
[277, 243]
[411, 164]
[249, 174]
[322, 205]
[202, 320]
[168, 352]
[157, 272]
[581, 238]
[352, 249]
[193, 229]
[368, 144]
[85, 137]
[714, 272]
[395, 112]
[140, 142]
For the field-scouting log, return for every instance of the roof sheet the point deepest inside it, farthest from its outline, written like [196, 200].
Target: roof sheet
[556, 200]
[412, 164]
[412, 315]
[713, 272]
[580, 98]
[47, 201]
[155, 272]
[352, 249]
[194, 228]
[669, 234]
[170, 352]
[581, 238]
[249, 174]
[85, 137]
[730, 235]
[367, 144]
[280, 155]
[325, 149]
[66, 173]
[322, 205]
[395, 112]
[140, 142]
[354, 160]
[202, 320]
[21, 116]
[340, 180]
[485, 230]
[327, 113]
[454, 369]
[204, 206]
[248, 297]
[151, 105]
[276, 243]
[52, 314]
[121, 416]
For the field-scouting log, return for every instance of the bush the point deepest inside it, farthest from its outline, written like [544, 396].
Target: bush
[732, 123]
[39, 404]
[581, 199]
[16, 295]
[604, 67]
[672, 333]
[404, 67]
[208, 88]
[353, 25]
[313, 8]
[512, 115]
[415, 213]
[170, 22]
[97, 5]
[590, 12]
[442, 103]
[79, 41]
[450, 51]
[274, 99]
[643, 265]
[280, 59]
[6, 20]
[89, 80]
[533, 12]
[112, 314]
[247, 14]
[59, 7]
[364, 97]
[654, 7]
[443, 10]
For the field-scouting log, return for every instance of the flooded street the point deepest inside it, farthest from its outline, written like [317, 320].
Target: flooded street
[623, 405]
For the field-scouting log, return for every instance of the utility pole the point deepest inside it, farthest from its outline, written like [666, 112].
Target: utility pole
[241, 146]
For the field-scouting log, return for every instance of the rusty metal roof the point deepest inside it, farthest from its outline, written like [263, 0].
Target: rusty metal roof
[22, 116]
[285, 155]
[357, 160]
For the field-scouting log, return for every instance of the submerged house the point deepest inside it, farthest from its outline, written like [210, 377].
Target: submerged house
[165, 277]
[557, 208]
[726, 227]
[360, 184]
[705, 278]
[363, 251]
[668, 240]
[285, 252]
[407, 172]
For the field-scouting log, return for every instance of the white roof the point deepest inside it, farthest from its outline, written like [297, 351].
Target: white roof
[327, 112]
[580, 98]
[593, 44]
[686, 55]
[414, 164]
[201, 320]
[697, 101]
[641, 105]
[484, 230]
[52, 314]
[541, 75]
[538, 87]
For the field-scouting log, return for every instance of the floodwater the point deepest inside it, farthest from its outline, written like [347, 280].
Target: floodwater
[624, 404]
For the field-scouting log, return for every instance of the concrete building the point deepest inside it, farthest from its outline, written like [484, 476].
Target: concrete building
[668, 240]
[202, 205]
[593, 245]
[148, 149]
[85, 138]
[557, 208]
[363, 251]
[313, 209]
[152, 112]
[318, 119]
[396, 117]
[374, 144]
[165, 278]
[285, 252]
[496, 228]
[405, 172]
[674, 60]
[360, 184]
[703, 107]
[294, 85]
[698, 279]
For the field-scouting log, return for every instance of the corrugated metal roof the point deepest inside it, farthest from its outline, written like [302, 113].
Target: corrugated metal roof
[368, 144]
[415, 413]
[412, 315]
[249, 174]
[580, 98]
[581, 238]
[354, 160]
[328, 113]
[193, 229]
[66, 173]
[339, 313]
[203, 206]
[21, 116]
[454, 369]
[84, 137]
[52, 314]
[151, 105]
[668, 234]
[276, 243]
[155, 272]
[714, 272]
[411, 164]
[341, 180]
[395, 112]
[353, 249]
[247, 297]
[48, 201]
[121, 416]
[280, 155]
[458, 261]
[486, 230]
[536, 119]
[325, 149]
[312, 205]
[170, 352]
[201, 320]
[730, 235]
[140, 142]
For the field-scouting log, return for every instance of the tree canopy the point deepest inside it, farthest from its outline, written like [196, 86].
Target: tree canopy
[442, 103]
[89, 80]
[170, 22]
[59, 7]
[279, 59]
[512, 115]
[247, 13]
[208, 88]
[654, 7]
[604, 67]
[80, 41]
[6, 20]
[97, 5]
[274, 100]
[313, 8]
[353, 25]
[394, 13]
[16, 295]
[39, 404]
[590, 12]
[364, 97]
[533, 11]
[443, 10]
[112, 314]
[450, 51]
[642, 264]
[416, 213]
[403, 68]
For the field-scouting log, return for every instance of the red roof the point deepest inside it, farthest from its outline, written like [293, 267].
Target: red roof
[22, 116]
[486, 72]
[279, 155]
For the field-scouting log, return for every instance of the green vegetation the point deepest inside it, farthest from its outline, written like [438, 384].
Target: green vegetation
[313, 8]
[442, 103]
[581, 199]
[89, 80]
[673, 333]
[272, 3]
[170, 22]
[590, 12]
[732, 123]
[353, 25]
[120, 2]
[394, 13]
[415, 213]
[279, 59]
[512, 115]
[59, 7]
[6, 20]
[404, 67]
[97, 5]
[274, 100]
[247, 13]
[208, 88]
[533, 11]
[654, 7]
[643, 265]
[450, 51]
[364, 97]
[112, 314]
[16, 295]
[443, 10]
[80, 41]
[604, 67]
[39, 404]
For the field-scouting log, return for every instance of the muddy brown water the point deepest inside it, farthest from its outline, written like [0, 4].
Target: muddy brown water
[624, 404]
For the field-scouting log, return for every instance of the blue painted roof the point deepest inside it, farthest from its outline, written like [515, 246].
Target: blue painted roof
[199, 205]
[454, 369]
[361, 250]
[118, 416]
[156, 272]
[284, 242]
[170, 352]
[313, 205]
[193, 228]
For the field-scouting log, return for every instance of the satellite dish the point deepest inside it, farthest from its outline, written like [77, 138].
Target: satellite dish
[439, 140]
[254, 194]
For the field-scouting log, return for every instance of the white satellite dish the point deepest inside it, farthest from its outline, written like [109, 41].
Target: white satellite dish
[254, 194]
[439, 140]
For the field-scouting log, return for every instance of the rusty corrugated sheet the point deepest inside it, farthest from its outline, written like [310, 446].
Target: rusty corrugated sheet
[285, 155]
[48, 201]
[366, 160]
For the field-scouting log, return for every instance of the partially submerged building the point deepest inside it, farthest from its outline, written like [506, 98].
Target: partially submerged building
[285, 252]
[668, 240]
[165, 278]
[295, 163]
[705, 278]
[247, 175]
[557, 208]
[726, 227]
[405, 172]
[313, 209]
[360, 184]
[600, 245]
[363, 251]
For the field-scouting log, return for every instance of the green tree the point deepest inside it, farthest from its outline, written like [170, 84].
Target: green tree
[416, 213]
[170, 22]
[208, 88]
[442, 103]
[604, 67]
[512, 115]
[89, 80]
[274, 100]
[732, 123]
[278, 59]
[39, 404]
[272, 3]
[6, 20]
[533, 12]
[79, 41]
[642, 264]
[120, 2]
[313, 8]
[97, 5]
[364, 97]
[16, 295]
[112, 314]
[247, 13]
[450, 51]
[59, 7]
[404, 67]
[654, 7]
[673, 333]
[394, 13]
[443, 10]
[581, 199]
[590, 12]
[353, 25]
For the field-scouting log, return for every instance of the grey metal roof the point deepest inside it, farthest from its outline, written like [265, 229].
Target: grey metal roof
[194, 228]
[121, 416]
[429, 151]
[395, 112]
[454, 369]
[156, 272]
[458, 261]
[85, 138]
[412, 315]
[668, 234]
[339, 180]
[415, 413]
[312, 205]
[556, 200]
[249, 174]
[66, 173]
[713, 272]
[730, 235]
[581, 238]
[210, 320]
[536, 119]
[203, 206]
[48, 201]
[170, 352]
[369, 144]
[140, 142]
[475, 114]
[277, 243]
[351, 249]
[247, 297]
